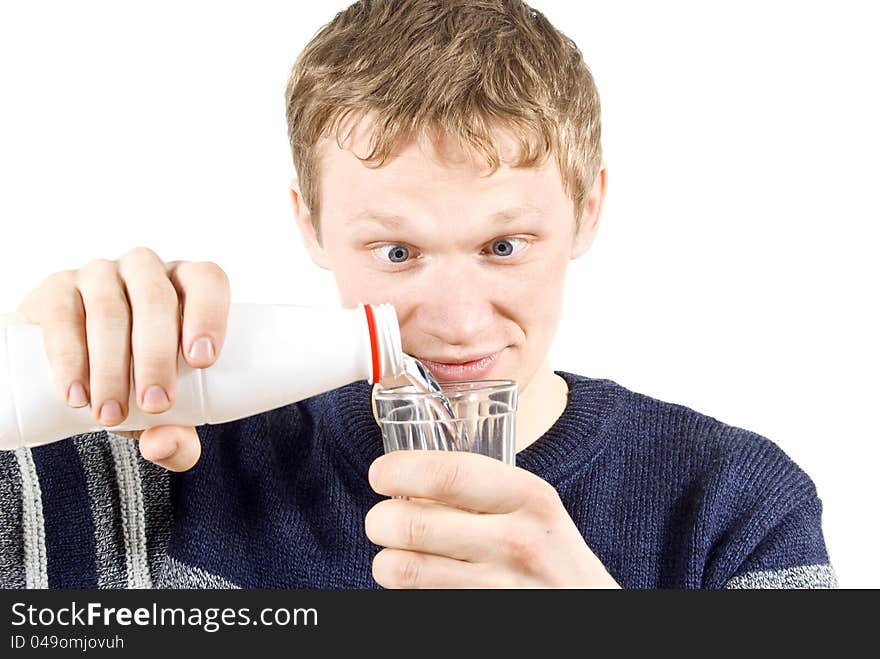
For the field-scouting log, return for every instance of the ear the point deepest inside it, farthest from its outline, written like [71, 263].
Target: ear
[307, 228]
[589, 223]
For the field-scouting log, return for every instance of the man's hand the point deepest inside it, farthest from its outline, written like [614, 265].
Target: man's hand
[103, 318]
[473, 522]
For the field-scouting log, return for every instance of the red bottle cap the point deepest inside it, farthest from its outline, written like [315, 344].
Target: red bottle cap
[374, 344]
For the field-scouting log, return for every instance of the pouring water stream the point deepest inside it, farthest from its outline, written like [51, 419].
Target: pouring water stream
[441, 411]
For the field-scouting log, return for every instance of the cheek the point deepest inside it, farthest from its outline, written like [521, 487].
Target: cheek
[351, 288]
[352, 291]
[542, 286]
[538, 310]
[357, 284]
[535, 293]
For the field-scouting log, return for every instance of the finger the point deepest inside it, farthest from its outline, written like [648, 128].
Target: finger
[58, 308]
[465, 480]
[155, 330]
[108, 340]
[398, 568]
[177, 448]
[433, 528]
[203, 289]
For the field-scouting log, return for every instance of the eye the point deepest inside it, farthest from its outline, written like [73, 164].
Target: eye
[507, 246]
[393, 253]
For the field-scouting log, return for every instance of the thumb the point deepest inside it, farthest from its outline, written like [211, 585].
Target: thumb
[177, 448]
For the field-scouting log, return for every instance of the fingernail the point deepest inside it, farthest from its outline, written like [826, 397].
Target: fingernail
[202, 349]
[76, 395]
[111, 413]
[155, 396]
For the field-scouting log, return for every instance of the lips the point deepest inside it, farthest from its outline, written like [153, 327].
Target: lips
[476, 369]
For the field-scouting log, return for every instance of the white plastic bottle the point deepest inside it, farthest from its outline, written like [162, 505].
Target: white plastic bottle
[273, 355]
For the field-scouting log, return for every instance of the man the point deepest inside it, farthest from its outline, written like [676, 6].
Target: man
[449, 162]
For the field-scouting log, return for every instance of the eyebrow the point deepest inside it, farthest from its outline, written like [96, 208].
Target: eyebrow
[395, 221]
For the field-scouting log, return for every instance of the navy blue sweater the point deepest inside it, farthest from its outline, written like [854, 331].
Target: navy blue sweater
[664, 496]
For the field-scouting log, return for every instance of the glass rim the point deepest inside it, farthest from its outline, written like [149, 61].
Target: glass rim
[451, 387]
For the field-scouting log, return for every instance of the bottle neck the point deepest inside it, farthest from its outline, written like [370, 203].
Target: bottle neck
[386, 347]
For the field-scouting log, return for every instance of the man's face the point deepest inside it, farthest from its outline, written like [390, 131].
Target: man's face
[474, 265]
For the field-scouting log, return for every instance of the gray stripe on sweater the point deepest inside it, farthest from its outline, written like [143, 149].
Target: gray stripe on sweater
[802, 576]
[98, 463]
[12, 572]
[156, 482]
[176, 574]
[131, 499]
[35, 566]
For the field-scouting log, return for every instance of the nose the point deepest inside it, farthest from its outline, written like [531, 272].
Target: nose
[456, 305]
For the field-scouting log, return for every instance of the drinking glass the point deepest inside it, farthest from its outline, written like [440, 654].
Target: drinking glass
[483, 421]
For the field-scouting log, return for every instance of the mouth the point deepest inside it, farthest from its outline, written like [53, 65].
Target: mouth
[473, 369]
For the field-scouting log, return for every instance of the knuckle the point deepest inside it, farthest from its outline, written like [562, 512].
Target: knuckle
[61, 279]
[522, 550]
[141, 252]
[109, 377]
[544, 498]
[399, 569]
[415, 529]
[59, 310]
[154, 293]
[446, 478]
[98, 266]
[57, 299]
[204, 277]
[408, 570]
[69, 360]
[110, 309]
[211, 270]
[149, 361]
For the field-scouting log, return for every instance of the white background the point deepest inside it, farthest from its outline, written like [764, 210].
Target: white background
[735, 270]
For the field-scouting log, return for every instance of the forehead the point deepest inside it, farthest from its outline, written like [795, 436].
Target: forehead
[436, 174]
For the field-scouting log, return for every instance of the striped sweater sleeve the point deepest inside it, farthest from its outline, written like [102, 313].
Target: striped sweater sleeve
[87, 512]
[22, 537]
[767, 519]
[12, 566]
[791, 555]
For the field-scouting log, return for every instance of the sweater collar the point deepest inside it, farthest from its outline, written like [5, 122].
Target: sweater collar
[573, 440]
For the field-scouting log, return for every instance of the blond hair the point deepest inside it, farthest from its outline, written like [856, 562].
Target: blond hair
[463, 69]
